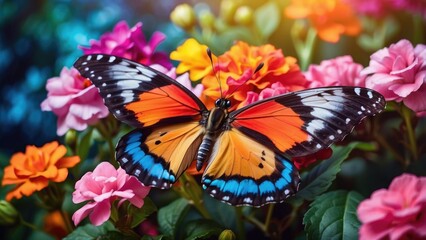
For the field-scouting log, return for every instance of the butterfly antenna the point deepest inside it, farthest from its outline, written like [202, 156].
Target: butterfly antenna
[260, 66]
[209, 53]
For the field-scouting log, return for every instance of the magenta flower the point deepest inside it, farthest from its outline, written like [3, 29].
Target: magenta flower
[101, 188]
[399, 74]
[340, 71]
[395, 213]
[130, 44]
[74, 100]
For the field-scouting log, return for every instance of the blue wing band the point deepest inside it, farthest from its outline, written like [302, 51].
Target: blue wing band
[135, 159]
[237, 190]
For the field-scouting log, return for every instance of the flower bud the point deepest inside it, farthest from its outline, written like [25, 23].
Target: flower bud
[71, 138]
[227, 235]
[244, 15]
[206, 19]
[8, 214]
[183, 16]
[228, 9]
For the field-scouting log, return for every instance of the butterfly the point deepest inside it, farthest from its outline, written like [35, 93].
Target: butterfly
[246, 151]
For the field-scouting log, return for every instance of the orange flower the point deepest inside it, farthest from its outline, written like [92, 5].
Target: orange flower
[32, 170]
[236, 68]
[193, 59]
[330, 18]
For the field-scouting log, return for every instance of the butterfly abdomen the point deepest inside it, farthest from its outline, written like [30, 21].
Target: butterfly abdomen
[204, 150]
[214, 125]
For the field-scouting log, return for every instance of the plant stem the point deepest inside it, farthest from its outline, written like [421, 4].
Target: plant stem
[67, 221]
[406, 115]
[304, 49]
[29, 225]
[240, 223]
[269, 216]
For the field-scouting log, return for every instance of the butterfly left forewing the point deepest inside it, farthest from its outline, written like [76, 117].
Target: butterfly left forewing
[304, 122]
[137, 94]
[242, 171]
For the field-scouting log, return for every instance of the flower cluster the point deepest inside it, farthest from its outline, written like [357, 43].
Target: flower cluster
[234, 74]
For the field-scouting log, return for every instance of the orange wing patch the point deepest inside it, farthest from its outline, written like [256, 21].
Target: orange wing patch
[237, 154]
[176, 144]
[286, 124]
[242, 171]
[163, 102]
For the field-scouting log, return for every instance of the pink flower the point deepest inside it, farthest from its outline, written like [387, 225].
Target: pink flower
[101, 188]
[182, 79]
[275, 90]
[130, 44]
[74, 100]
[399, 73]
[340, 71]
[395, 213]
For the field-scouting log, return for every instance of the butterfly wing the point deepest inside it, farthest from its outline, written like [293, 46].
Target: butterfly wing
[260, 135]
[166, 114]
[139, 95]
[304, 122]
[242, 171]
[158, 156]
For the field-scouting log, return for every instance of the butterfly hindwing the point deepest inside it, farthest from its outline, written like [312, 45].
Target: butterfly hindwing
[242, 171]
[158, 156]
[139, 95]
[304, 122]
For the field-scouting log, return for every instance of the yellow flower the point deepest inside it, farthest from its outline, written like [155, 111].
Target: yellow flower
[193, 59]
[31, 171]
[330, 18]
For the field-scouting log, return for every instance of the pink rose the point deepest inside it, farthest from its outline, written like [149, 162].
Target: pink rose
[130, 44]
[395, 213]
[399, 74]
[101, 188]
[340, 71]
[275, 90]
[74, 100]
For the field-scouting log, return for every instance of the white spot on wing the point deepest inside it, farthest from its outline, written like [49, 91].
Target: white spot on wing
[331, 137]
[286, 192]
[125, 84]
[348, 120]
[225, 198]
[357, 91]
[315, 125]
[137, 172]
[89, 58]
[370, 94]
[111, 59]
[247, 200]
[213, 191]
[99, 57]
[339, 131]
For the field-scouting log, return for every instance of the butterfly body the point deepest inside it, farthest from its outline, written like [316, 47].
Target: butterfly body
[246, 152]
[215, 124]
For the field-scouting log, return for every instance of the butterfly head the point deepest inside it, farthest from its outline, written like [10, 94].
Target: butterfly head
[223, 103]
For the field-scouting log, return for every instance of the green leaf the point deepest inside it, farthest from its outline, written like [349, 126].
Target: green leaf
[333, 216]
[159, 237]
[90, 231]
[267, 18]
[140, 214]
[202, 229]
[319, 179]
[169, 216]
[84, 144]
